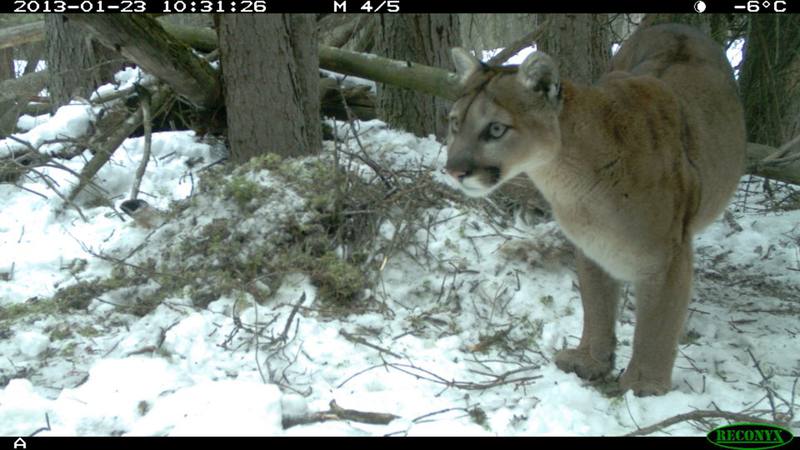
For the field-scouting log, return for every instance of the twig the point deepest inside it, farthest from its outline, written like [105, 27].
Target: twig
[44, 428]
[518, 45]
[360, 372]
[148, 138]
[435, 413]
[54, 188]
[364, 157]
[285, 333]
[362, 341]
[257, 332]
[31, 191]
[699, 415]
[111, 142]
[630, 414]
[764, 380]
[427, 375]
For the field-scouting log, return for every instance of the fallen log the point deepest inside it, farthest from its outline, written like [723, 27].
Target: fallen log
[144, 41]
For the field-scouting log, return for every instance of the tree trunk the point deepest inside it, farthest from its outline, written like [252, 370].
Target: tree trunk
[480, 32]
[586, 62]
[77, 66]
[770, 77]
[7, 64]
[14, 95]
[422, 38]
[271, 72]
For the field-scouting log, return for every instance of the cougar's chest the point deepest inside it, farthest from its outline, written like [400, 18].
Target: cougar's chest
[602, 238]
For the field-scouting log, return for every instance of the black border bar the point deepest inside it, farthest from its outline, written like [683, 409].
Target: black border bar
[402, 6]
[172, 443]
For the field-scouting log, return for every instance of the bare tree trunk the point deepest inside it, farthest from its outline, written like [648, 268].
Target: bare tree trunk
[584, 62]
[271, 72]
[481, 32]
[14, 95]
[7, 64]
[77, 66]
[425, 39]
[770, 77]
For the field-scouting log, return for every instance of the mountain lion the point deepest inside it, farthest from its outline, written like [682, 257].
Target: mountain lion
[633, 166]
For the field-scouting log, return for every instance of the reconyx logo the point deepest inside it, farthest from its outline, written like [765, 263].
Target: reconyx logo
[749, 436]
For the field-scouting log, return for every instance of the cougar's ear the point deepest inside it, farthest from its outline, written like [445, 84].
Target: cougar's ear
[465, 63]
[539, 73]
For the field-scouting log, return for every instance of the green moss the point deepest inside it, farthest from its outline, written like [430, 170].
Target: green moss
[60, 332]
[343, 211]
[19, 310]
[337, 280]
[69, 349]
[487, 341]
[241, 190]
[77, 265]
[88, 331]
[78, 296]
[478, 415]
[269, 161]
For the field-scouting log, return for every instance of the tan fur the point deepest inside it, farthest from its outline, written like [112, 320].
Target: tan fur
[632, 166]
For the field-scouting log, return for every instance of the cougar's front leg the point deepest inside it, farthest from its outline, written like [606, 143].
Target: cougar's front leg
[661, 307]
[594, 356]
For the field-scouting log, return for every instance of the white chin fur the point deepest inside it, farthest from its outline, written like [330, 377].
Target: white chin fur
[474, 188]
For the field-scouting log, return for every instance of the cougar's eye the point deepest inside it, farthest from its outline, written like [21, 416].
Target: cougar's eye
[496, 130]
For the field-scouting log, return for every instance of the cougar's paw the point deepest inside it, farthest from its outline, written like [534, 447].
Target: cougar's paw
[644, 386]
[580, 362]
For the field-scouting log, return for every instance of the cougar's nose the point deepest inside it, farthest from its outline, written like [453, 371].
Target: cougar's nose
[458, 174]
[459, 165]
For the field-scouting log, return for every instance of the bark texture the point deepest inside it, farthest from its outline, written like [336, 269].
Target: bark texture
[580, 43]
[425, 39]
[770, 79]
[271, 72]
[77, 65]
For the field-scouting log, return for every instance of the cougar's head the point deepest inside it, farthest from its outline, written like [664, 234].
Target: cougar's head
[504, 123]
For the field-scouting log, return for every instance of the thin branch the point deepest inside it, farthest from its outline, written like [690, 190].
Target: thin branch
[699, 415]
[285, 333]
[519, 44]
[44, 428]
[148, 138]
[64, 198]
[359, 340]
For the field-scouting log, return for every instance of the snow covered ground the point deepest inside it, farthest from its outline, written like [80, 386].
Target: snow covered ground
[456, 340]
